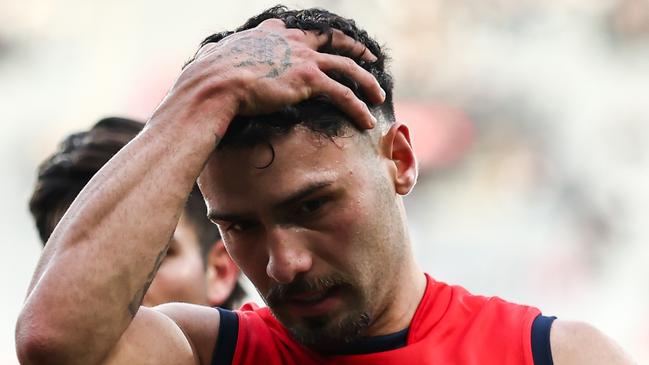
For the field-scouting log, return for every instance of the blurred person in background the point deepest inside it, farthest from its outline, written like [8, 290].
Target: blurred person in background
[288, 125]
[196, 268]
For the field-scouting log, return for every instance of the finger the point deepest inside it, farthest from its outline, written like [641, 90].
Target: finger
[351, 47]
[341, 42]
[346, 66]
[343, 98]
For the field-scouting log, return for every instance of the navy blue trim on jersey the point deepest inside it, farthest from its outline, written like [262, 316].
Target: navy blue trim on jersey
[227, 340]
[369, 345]
[541, 350]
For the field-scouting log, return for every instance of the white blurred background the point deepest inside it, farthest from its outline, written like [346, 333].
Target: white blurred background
[531, 118]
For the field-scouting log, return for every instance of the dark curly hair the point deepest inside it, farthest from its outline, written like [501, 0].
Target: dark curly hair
[62, 176]
[317, 114]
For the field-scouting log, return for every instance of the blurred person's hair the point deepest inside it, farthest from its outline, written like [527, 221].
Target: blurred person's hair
[62, 176]
[317, 114]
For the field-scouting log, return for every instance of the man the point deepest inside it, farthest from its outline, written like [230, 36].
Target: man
[196, 268]
[289, 123]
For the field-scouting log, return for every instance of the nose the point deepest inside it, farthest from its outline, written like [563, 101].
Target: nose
[288, 255]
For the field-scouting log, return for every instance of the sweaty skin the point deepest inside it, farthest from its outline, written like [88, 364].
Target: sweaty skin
[321, 227]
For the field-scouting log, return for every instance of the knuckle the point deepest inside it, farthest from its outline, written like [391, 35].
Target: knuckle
[294, 34]
[349, 64]
[303, 52]
[348, 94]
[271, 23]
[309, 73]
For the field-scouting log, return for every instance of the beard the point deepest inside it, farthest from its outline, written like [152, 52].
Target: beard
[328, 332]
[321, 335]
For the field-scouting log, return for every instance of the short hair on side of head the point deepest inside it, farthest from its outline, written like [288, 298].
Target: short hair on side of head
[62, 176]
[79, 156]
[317, 114]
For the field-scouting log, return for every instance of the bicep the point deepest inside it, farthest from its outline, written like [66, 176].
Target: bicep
[581, 343]
[152, 338]
[200, 324]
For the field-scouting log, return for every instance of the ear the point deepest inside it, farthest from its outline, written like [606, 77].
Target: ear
[222, 275]
[397, 149]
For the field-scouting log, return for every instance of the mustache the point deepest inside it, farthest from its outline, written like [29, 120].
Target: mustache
[282, 292]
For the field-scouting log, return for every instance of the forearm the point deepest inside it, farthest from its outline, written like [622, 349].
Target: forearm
[104, 253]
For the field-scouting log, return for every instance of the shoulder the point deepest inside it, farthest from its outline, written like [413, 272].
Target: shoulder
[199, 324]
[456, 307]
[168, 334]
[575, 342]
[220, 336]
[504, 314]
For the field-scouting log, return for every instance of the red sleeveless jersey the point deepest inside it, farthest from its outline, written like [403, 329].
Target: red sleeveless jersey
[450, 326]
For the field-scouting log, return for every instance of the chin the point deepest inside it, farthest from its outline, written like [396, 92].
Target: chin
[326, 334]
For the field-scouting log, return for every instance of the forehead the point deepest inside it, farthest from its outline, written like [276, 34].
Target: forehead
[238, 176]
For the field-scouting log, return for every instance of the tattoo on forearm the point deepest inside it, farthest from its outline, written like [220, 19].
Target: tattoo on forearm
[272, 50]
[135, 303]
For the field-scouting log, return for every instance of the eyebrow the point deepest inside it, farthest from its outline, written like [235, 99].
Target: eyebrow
[281, 204]
[301, 194]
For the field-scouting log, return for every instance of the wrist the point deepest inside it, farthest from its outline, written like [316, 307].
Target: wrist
[199, 114]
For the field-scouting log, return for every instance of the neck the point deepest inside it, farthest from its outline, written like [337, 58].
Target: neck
[402, 301]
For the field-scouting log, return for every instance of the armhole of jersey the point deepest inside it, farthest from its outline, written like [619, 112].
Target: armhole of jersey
[227, 340]
[541, 350]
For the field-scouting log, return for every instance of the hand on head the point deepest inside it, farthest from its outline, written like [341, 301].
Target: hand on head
[271, 66]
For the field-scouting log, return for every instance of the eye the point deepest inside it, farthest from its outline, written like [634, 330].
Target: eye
[241, 226]
[311, 206]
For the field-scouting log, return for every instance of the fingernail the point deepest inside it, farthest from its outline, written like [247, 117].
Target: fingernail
[382, 93]
[373, 122]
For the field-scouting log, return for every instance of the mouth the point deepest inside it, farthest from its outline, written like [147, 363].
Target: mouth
[314, 303]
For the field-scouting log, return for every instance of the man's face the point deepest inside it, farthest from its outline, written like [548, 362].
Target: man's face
[316, 231]
[181, 277]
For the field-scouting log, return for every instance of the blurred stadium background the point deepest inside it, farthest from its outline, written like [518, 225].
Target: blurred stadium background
[531, 119]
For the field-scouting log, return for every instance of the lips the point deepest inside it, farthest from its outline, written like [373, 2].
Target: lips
[310, 297]
[314, 302]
